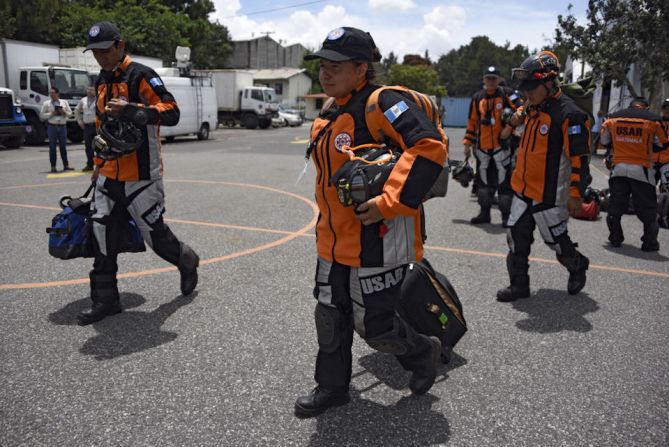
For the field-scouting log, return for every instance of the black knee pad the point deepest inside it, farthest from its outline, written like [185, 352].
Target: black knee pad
[328, 327]
[484, 196]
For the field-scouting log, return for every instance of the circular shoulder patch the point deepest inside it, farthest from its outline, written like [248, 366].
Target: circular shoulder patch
[335, 33]
[341, 140]
[94, 31]
[543, 130]
[498, 106]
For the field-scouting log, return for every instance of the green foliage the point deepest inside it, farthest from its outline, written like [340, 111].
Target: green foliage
[619, 33]
[461, 71]
[389, 62]
[422, 78]
[312, 68]
[149, 27]
[31, 20]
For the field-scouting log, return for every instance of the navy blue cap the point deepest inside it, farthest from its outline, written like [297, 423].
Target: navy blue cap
[102, 35]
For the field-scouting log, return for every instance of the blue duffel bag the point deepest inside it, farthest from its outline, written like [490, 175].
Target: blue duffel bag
[71, 231]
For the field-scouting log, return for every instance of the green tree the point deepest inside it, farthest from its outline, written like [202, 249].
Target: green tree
[30, 20]
[421, 78]
[461, 71]
[149, 27]
[617, 34]
[312, 68]
[388, 62]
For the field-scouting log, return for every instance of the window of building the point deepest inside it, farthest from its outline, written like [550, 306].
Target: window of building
[278, 88]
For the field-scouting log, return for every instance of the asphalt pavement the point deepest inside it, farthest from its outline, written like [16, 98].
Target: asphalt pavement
[224, 366]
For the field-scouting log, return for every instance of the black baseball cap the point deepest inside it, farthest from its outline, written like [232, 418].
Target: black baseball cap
[347, 43]
[102, 35]
[491, 71]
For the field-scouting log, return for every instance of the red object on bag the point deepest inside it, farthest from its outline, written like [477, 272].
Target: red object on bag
[589, 211]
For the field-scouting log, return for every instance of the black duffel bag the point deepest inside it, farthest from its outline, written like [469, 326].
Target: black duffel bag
[431, 306]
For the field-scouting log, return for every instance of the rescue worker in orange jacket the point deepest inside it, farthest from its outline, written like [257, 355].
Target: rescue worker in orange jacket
[550, 176]
[661, 158]
[493, 154]
[363, 251]
[133, 101]
[632, 135]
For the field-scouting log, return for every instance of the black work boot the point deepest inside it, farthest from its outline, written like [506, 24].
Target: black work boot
[616, 236]
[649, 238]
[188, 263]
[483, 217]
[105, 297]
[519, 288]
[99, 311]
[577, 267]
[422, 380]
[319, 400]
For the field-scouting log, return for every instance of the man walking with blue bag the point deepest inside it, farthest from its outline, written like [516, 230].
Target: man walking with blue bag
[131, 103]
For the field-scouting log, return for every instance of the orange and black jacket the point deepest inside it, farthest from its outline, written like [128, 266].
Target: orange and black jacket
[662, 157]
[340, 236]
[632, 133]
[140, 86]
[553, 152]
[485, 117]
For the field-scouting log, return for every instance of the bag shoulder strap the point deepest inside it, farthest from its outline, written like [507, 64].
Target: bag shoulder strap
[424, 102]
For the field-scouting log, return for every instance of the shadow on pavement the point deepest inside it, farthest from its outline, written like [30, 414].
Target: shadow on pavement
[387, 370]
[633, 251]
[551, 311]
[409, 422]
[490, 228]
[127, 332]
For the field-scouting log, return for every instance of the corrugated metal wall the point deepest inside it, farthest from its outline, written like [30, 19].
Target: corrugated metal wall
[457, 111]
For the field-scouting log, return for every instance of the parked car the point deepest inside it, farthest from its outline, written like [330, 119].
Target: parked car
[291, 119]
[277, 121]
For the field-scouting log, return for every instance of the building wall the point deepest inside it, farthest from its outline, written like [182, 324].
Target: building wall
[264, 52]
[291, 88]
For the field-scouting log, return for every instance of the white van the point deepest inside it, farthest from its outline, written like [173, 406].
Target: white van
[196, 98]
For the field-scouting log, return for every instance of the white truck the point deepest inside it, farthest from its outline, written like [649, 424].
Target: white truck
[31, 69]
[240, 102]
[196, 97]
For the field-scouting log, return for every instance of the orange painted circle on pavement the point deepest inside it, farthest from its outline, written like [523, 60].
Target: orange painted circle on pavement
[288, 236]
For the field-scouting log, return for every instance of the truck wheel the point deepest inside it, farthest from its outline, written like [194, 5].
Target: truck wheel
[36, 131]
[203, 134]
[265, 123]
[250, 121]
[15, 142]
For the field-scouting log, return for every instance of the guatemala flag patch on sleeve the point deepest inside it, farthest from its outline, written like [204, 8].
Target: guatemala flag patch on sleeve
[574, 130]
[395, 111]
[155, 82]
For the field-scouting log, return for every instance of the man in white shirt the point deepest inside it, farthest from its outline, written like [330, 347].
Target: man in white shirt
[85, 116]
[55, 112]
